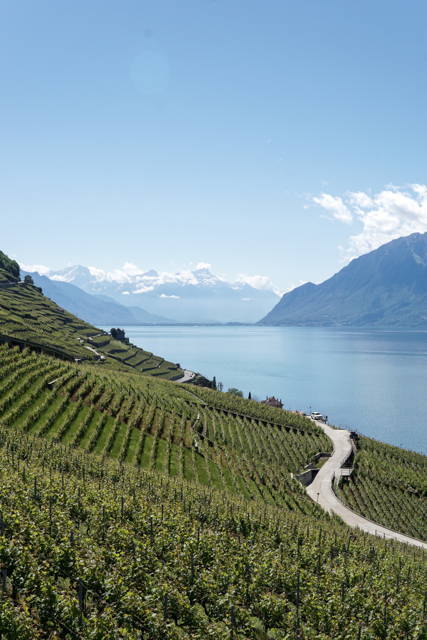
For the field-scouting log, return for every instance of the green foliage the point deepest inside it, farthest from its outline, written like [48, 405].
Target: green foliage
[157, 425]
[132, 507]
[118, 334]
[235, 392]
[10, 267]
[389, 486]
[93, 548]
[27, 315]
[233, 403]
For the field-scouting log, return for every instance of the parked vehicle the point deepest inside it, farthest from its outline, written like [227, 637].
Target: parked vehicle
[315, 415]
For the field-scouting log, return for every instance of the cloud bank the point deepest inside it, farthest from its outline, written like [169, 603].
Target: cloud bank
[258, 282]
[39, 268]
[384, 216]
[145, 281]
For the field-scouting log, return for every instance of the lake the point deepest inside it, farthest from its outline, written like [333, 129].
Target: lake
[372, 381]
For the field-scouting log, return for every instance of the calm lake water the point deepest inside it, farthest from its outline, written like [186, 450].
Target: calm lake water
[373, 381]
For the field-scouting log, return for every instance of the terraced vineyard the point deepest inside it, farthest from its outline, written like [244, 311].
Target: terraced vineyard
[9, 269]
[234, 404]
[159, 426]
[389, 486]
[132, 507]
[27, 315]
[93, 548]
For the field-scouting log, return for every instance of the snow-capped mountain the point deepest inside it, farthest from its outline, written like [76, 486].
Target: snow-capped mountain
[186, 296]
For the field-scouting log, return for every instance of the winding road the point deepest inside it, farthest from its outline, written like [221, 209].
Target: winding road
[321, 489]
[188, 375]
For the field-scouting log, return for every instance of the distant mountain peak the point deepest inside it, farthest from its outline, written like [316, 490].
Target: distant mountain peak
[203, 296]
[384, 288]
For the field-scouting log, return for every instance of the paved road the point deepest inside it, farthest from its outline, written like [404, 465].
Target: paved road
[321, 490]
[188, 375]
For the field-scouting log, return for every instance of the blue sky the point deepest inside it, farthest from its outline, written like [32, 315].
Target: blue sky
[276, 138]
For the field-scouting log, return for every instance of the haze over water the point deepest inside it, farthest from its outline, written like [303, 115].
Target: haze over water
[372, 381]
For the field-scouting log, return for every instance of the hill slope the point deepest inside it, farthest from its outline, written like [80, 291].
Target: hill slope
[27, 315]
[189, 526]
[389, 486]
[159, 425]
[9, 269]
[384, 288]
[132, 507]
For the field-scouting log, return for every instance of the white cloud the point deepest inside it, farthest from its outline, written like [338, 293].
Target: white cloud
[163, 295]
[420, 189]
[258, 282]
[127, 273]
[384, 216]
[143, 288]
[132, 269]
[360, 199]
[135, 280]
[300, 283]
[335, 206]
[36, 268]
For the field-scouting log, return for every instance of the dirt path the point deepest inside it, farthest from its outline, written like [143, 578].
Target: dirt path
[100, 356]
[321, 490]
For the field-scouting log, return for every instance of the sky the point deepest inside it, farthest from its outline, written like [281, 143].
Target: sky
[268, 138]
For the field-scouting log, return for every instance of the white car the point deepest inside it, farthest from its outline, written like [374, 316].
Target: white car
[318, 416]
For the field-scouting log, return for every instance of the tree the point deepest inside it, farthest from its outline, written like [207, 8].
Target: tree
[249, 396]
[220, 386]
[118, 334]
[29, 280]
[235, 392]
[214, 383]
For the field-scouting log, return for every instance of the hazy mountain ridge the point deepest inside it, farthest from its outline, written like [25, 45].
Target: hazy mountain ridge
[384, 288]
[96, 309]
[185, 296]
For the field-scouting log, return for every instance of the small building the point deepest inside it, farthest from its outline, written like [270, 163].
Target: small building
[273, 402]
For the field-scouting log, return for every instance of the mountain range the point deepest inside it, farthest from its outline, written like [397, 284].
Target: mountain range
[384, 288]
[153, 297]
[96, 309]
